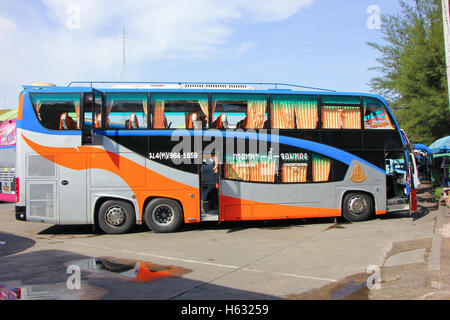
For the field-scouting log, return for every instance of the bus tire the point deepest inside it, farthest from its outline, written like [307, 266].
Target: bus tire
[163, 215]
[357, 206]
[116, 217]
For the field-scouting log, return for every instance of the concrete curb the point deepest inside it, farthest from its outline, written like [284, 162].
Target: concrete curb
[434, 264]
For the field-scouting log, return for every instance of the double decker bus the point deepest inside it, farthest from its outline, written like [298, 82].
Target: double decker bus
[119, 154]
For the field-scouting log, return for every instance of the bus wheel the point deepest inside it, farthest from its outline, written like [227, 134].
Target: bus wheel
[163, 215]
[357, 207]
[116, 216]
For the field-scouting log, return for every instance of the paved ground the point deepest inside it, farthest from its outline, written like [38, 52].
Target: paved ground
[301, 259]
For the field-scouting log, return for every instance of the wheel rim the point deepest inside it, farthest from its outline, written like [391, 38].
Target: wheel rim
[357, 205]
[115, 216]
[163, 215]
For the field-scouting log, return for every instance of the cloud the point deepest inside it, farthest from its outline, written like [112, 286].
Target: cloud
[6, 25]
[271, 11]
[67, 39]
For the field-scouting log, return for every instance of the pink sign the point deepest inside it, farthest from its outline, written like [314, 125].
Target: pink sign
[8, 133]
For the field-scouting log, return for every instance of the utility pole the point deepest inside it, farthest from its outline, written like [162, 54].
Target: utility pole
[124, 61]
[446, 23]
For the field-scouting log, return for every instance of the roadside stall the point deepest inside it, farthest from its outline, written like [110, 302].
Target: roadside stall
[424, 160]
[441, 159]
[441, 164]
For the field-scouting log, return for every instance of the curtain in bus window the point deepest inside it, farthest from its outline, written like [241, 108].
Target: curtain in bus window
[204, 106]
[126, 110]
[341, 112]
[251, 168]
[109, 105]
[236, 169]
[291, 112]
[263, 170]
[321, 167]
[306, 112]
[282, 114]
[294, 172]
[376, 115]
[338, 117]
[194, 119]
[158, 115]
[77, 111]
[145, 107]
[242, 111]
[38, 108]
[256, 114]
[177, 109]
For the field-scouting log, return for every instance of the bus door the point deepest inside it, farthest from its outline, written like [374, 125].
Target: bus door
[91, 117]
[73, 183]
[209, 186]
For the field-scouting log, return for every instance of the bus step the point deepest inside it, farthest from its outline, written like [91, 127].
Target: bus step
[209, 217]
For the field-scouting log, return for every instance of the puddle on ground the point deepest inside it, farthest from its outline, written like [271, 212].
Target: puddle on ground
[353, 287]
[406, 281]
[140, 271]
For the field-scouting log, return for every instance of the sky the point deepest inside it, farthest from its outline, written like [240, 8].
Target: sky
[318, 43]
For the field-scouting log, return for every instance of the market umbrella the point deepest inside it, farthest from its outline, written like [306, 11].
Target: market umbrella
[441, 146]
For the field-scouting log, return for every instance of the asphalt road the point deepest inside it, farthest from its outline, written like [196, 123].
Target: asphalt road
[297, 259]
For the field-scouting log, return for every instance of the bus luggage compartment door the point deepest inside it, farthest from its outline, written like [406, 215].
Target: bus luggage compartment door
[72, 191]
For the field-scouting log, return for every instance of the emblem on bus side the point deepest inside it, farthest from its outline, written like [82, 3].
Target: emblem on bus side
[358, 174]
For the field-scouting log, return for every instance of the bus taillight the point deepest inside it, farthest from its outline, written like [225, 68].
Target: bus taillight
[413, 200]
[17, 189]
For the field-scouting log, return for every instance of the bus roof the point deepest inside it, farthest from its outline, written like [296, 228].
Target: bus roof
[194, 87]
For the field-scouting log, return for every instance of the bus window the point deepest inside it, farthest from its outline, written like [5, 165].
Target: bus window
[179, 111]
[251, 168]
[126, 110]
[239, 111]
[57, 111]
[321, 168]
[376, 115]
[294, 167]
[341, 112]
[293, 112]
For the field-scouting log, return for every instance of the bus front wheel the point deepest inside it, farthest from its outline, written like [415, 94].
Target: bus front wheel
[163, 215]
[356, 207]
[116, 217]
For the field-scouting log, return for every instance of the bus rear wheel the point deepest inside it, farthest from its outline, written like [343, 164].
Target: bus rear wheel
[116, 217]
[163, 215]
[357, 207]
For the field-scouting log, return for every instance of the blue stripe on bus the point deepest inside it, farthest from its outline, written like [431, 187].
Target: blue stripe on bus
[325, 150]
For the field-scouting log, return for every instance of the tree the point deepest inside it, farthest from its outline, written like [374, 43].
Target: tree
[413, 71]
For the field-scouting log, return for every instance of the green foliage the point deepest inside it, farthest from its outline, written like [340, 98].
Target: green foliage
[437, 194]
[413, 70]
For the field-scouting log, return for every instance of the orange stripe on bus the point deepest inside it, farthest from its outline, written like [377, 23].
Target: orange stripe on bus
[240, 209]
[20, 109]
[235, 209]
[156, 184]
